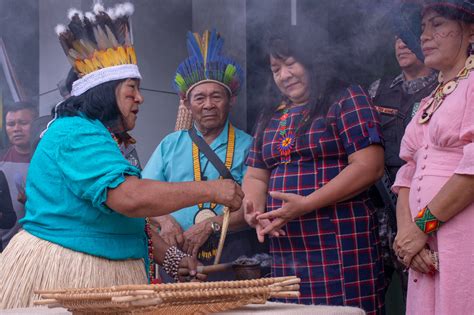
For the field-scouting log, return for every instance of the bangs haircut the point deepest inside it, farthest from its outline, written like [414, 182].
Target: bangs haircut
[325, 82]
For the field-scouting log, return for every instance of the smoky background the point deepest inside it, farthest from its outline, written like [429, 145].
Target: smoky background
[357, 35]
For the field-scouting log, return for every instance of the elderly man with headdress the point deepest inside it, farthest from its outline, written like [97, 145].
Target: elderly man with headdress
[208, 83]
[84, 224]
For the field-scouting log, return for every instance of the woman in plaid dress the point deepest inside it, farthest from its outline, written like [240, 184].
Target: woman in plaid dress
[316, 151]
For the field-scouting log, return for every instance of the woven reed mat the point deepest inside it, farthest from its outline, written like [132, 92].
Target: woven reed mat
[269, 308]
[174, 298]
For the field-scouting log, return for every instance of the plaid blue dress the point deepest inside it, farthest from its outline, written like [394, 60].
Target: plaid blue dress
[334, 250]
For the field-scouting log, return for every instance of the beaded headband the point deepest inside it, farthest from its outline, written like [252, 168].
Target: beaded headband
[98, 45]
[206, 64]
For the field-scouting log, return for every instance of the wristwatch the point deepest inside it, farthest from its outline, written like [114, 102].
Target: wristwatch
[216, 227]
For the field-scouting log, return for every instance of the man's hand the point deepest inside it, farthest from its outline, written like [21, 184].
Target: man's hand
[227, 192]
[188, 270]
[195, 237]
[170, 230]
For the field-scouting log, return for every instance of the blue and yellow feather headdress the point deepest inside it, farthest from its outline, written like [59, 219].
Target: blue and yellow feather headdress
[206, 64]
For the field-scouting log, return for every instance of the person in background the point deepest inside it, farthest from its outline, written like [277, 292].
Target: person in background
[15, 160]
[7, 213]
[435, 208]
[397, 98]
[317, 149]
[196, 229]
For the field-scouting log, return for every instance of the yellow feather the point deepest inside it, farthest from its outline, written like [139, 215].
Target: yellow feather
[96, 63]
[131, 55]
[134, 56]
[123, 55]
[205, 43]
[90, 65]
[109, 58]
[81, 67]
[198, 38]
[103, 58]
[114, 57]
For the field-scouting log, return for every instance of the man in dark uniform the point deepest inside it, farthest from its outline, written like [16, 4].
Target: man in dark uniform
[397, 99]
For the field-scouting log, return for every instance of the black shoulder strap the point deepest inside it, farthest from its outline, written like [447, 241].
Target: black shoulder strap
[210, 154]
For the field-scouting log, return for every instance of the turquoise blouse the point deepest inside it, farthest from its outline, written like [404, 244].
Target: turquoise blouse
[172, 161]
[75, 163]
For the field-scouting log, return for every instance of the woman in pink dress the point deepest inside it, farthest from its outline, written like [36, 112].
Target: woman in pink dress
[435, 210]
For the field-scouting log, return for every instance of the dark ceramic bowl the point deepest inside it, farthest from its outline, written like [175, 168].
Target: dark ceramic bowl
[247, 271]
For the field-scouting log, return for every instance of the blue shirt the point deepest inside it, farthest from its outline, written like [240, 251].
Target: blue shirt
[75, 163]
[172, 161]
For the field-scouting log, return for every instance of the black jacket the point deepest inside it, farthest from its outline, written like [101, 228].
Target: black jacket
[393, 125]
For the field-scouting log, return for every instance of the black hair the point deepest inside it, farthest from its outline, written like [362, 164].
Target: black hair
[453, 13]
[70, 78]
[325, 82]
[65, 86]
[99, 103]
[16, 106]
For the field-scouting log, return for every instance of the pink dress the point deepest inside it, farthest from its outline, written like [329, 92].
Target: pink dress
[434, 152]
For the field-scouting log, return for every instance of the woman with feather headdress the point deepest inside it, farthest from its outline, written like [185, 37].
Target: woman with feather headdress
[84, 224]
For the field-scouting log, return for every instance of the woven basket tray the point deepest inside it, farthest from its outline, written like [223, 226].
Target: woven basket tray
[176, 298]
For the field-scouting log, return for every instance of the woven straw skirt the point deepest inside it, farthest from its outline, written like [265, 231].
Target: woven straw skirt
[30, 263]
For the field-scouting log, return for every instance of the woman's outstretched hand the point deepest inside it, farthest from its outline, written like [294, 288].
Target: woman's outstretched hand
[251, 214]
[293, 206]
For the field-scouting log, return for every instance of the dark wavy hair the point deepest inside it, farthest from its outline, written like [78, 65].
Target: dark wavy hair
[99, 103]
[451, 12]
[325, 78]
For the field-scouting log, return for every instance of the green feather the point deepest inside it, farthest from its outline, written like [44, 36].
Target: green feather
[229, 73]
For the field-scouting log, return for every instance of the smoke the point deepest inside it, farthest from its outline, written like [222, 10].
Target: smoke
[228, 17]
[356, 36]
[263, 259]
[356, 32]
[19, 31]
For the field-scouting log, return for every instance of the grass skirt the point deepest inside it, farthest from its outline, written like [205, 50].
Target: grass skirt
[29, 263]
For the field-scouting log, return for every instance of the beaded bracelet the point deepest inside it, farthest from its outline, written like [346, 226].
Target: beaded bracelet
[173, 257]
[427, 222]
